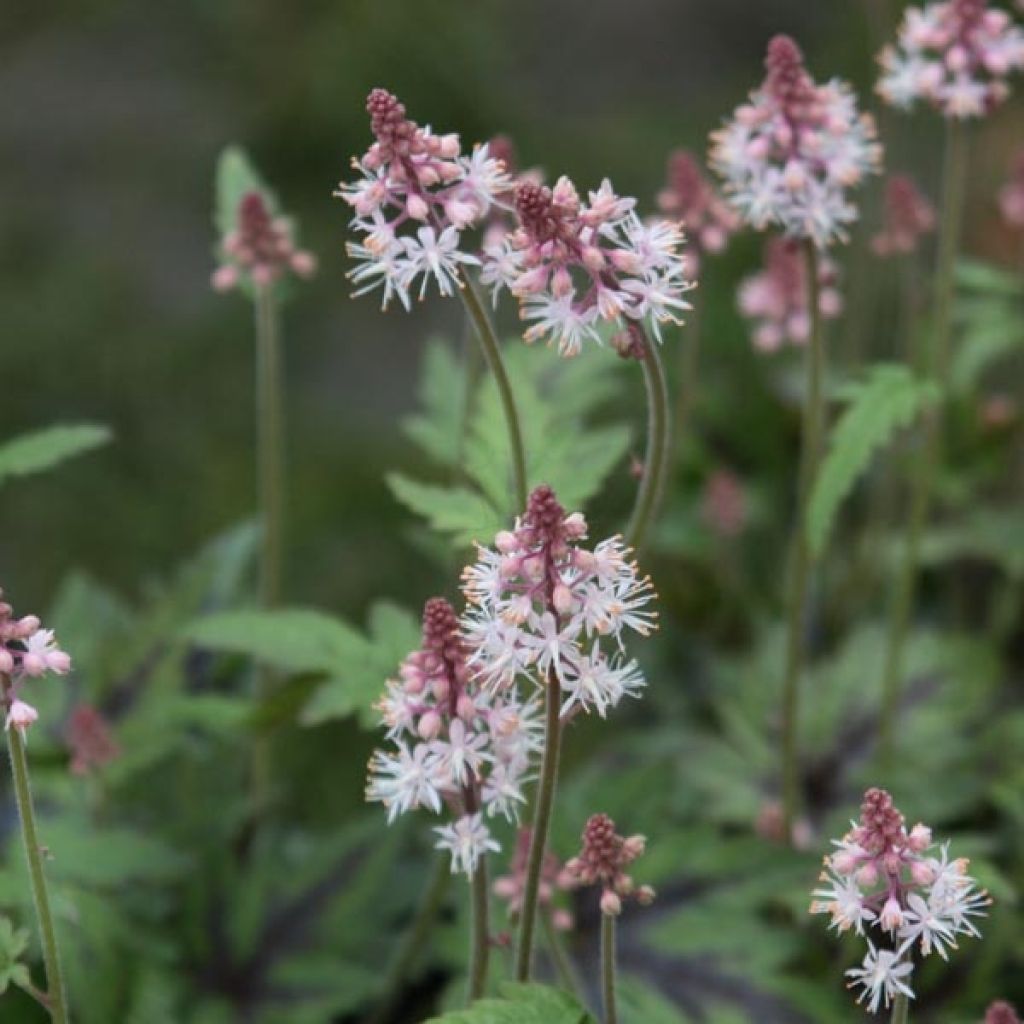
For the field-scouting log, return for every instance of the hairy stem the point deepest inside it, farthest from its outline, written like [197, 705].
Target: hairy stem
[414, 939]
[938, 362]
[480, 935]
[608, 968]
[656, 460]
[800, 561]
[491, 348]
[541, 825]
[56, 995]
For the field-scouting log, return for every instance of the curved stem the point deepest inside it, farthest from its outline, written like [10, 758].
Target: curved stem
[492, 354]
[415, 937]
[923, 484]
[56, 995]
[608, 968]
[800, 560]
[541, 825]
[480, 936]
[656, 461]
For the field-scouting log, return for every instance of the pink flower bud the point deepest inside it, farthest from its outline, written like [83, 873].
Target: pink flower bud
[562, 599]
[429, 725]
[844, 862]
[868, 875]
[645, 895]
[506, 542]
[6, 661]
[465, 708]
[634, 846]
[892, 915]
[59, 662]
[33, 665]
[575, 526]
[920, 838]
[224, 278]
[610, 903]
[922, 872]
[21, 716]
[449, 147]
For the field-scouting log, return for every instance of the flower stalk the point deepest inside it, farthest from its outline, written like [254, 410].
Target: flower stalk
[900, 1009]
[55, 999]
[938, 362]
[801, 561]
[480, 939]
[608, 968]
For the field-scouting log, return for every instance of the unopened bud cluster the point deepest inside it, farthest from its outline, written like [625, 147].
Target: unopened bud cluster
[908, 217]
[790, 154]
[602, 861]
[511, 888]
[955, 55]
[416, 195]
[541, 607]
[260, 248]
[27, 651]
[901, 885]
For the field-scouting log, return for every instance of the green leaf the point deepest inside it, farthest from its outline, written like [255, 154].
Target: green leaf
[891, 398]
[457, 511]
[973, 275]
[236, 176]
[291, 639]
[43, 449]
[521, 1004]
[438, 428]
[13, 943]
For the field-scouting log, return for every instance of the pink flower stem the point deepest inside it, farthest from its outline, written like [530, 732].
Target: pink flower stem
[656, 460]
[608, 968]
[800, 560]
[56, 994]
[938, 363]
[541, 825]
[491, 348]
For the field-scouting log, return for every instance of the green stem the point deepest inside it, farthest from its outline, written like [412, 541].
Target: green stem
[923, 483]
[270, 444]
[541, 825]
[800, 559]
[492, 355]
[56, 995]
[900, 1009]
[567, 973]
[608, 968]
[656, 461]
[480, 938]
[415, 937]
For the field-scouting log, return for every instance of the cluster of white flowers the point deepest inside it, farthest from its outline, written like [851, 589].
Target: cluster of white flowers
[576, 267]
[416, 196]
[27, 651]
[539, 604]
[454, 744]
[899, 883]
[790, 154]
[955, 55]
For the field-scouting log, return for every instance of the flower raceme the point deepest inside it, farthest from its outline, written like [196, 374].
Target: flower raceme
[576, 267]
[416, 195]
[261, 248]
[542, 607]
[789, 155]
[908, 217]
[602, 861]
[777, 301]
[903, 886]
[453, 744]
[954, 55]
[27, 651]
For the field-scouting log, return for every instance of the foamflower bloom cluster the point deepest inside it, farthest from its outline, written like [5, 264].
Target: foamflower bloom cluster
[260, 249]
[954, 55]
[690, 198]
[415, 196]
[776, 299]
[1011, 195]
[543, 608]
[577, 267]
[511, 888]
[602, 861]
[453, 745]
[27, 651]
[901, 886]
[791, 153]
[908, 218]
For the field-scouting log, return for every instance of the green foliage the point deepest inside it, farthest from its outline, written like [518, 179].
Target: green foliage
[555, 401]
[521, 1004]
[13, 943]
[991, 314]
[890, 398]
[353, 665]
[46, 448]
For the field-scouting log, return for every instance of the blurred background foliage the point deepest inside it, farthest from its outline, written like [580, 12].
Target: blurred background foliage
[172, 910]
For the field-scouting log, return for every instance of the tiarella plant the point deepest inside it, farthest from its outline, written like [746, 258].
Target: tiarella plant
[903, 887]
